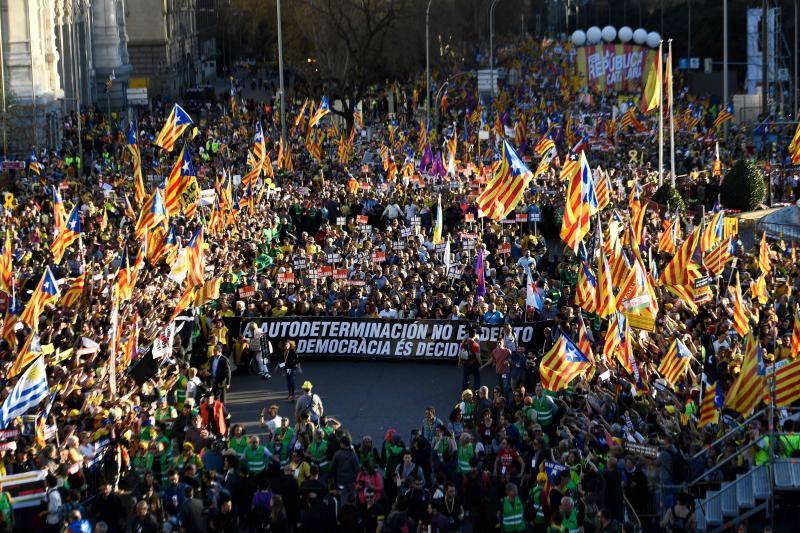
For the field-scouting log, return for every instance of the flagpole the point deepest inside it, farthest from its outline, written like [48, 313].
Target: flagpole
[671, 121]
[660, 116]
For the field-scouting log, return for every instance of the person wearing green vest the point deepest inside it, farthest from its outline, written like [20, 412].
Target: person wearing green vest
[6, 509]
[466, 451]
[318, 451]
[166, 415]
[545, 408]
[762, 451]
[238, 439]
[537, 504]
[256, 456]
[570, 519]
[511, 514]
[143, 461]
[467, 407]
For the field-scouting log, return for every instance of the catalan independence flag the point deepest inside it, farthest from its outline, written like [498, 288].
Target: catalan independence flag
[795, 351]
[602, 189]
[725, 114]
[59, 213]
[605, 287]
[187, 298]
[716, 259]
[179, 177]
[712, 233]
[46, 293]
[136, 159]
[586, 289]
[563, 363]
[749, 387]
[259, 147]
[677, 271]
[74, 292]
[741, 320]
[208, 292]
[710, 405]
[323, 109]
[70, 234]
[675, 363]
[794, 147]
[787, 384]
[544, 144]
[124, 277]
[502, 194]
[764, 263]
[153, 213]
[580, 205]
[6, 264]
[196, 262]
[177, 122]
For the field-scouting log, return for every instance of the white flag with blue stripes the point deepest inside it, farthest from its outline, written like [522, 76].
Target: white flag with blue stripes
[29, 391]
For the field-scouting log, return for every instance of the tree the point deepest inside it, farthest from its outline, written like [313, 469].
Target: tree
[743, 188]
[667, 195]
[351, 44]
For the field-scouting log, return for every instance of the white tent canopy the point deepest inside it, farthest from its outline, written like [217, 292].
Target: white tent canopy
[781, 224]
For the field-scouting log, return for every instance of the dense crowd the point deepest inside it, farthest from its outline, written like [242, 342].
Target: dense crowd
[140, 439]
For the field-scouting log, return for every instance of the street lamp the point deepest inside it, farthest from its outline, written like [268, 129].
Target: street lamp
[427, 67]
[280, 78]
[491, 45]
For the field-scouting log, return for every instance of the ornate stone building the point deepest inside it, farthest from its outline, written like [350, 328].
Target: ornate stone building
[163, 44]
[57, 56]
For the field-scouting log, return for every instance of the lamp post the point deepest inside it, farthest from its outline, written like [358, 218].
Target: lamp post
[725, 51]
[427, 66]
[280, 77]
[491, 46]
[3, 91]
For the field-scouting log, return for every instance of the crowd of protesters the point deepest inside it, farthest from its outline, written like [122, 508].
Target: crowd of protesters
[158, 450]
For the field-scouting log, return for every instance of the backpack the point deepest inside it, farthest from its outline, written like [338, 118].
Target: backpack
[679, 524]
[680, 467]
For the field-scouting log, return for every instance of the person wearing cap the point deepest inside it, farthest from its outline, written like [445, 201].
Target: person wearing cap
[309, 403]
[537, 498]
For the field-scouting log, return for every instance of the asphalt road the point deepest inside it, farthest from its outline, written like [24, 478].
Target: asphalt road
[367, 397]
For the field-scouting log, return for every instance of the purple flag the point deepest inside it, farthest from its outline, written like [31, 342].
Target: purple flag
[479, 271]
[427, 158]
[438, 166]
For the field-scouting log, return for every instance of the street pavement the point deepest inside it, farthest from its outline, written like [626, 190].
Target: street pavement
[367, 397]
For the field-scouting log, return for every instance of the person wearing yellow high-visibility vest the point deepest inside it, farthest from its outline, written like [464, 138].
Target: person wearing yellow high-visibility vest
[511, 514]
[256, 456]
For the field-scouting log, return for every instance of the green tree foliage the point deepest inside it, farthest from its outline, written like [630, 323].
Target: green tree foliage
[744, 187]
[667, 195]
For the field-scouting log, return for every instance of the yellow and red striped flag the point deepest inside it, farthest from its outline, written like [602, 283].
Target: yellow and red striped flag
[795, 351]
[580, 205]
[153, 213]
[177, 122]
[713, 233]
[131, 346]
[74, 292]
[709, 406]
[563, 363]
[602, 189]
[794, 146]
[651, 98]
[504, 191]
[187, 298]
[179, 177]
[59, 213]
[675, 363]
[787, 384]
[569, 169]
[750, 386]
[196, 262]
[716, 259]
[124, 278]
[605, 287]
[323, 109]
[25, 357]
[46, 293]
[764, 263]
[740, 314]
[136, 160]
[208, 292]
[6, 263]
[667, 242]
[677, 271]
[758, 289]
[71, 232]
[586, 289]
